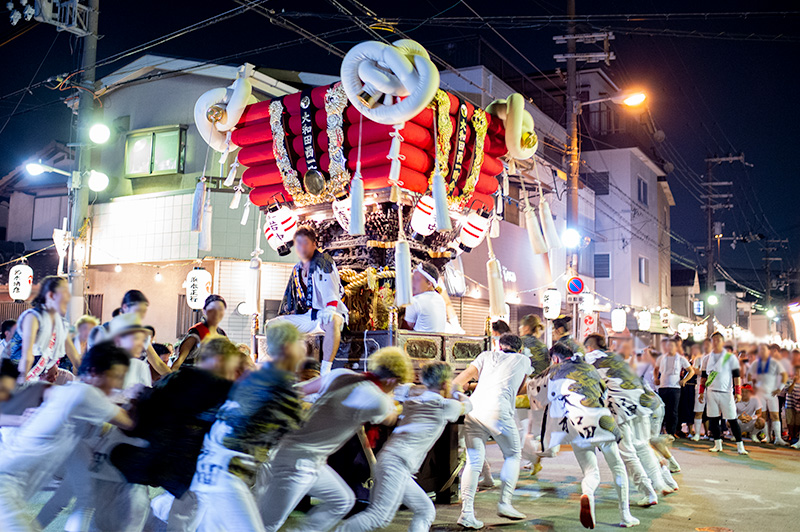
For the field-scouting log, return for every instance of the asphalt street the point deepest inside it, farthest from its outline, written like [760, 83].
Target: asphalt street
[759, 493]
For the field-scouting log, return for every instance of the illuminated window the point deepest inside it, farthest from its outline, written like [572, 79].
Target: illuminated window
[155, 151]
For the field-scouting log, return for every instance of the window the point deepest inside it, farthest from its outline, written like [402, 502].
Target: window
[155, 151]
[602, 266]
[642, 195]
[597, 181]
[644, 270]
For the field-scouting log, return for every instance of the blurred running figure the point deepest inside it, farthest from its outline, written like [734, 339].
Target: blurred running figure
[259, 411]
[347, 400]
[425, 414]
[624, 401]
[722, 380]
[577, 400]
[501, 377]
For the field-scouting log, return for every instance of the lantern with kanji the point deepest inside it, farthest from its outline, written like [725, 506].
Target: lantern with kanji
[20, 282]
[198, 288]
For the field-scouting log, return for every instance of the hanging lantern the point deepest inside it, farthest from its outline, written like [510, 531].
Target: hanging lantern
[20, 282]
[474, 230]
[684, 330]
[198, 288]
[699, 332]
[341, 210]
[551, 303]
[618, 319]
[283, 222]
[666, 315]
[423, 219]
[276, 243]
[644, 319]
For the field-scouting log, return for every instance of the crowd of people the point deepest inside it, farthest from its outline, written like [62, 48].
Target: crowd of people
[102, 413]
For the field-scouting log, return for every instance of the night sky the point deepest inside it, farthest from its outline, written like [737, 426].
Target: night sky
[710, 96]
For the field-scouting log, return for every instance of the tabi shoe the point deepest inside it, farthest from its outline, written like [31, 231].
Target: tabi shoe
[740, 448]
[717, 447]
[468, 520]
[628, 521]
[668, 480]
[648, 500]
[587, 511]
[509, 512]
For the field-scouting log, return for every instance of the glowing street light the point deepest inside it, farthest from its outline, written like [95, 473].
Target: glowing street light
[771, 313]
[98, 181]
[571, 238]
[635, 99]
[99, 133]
[713, 300]
[35, 169]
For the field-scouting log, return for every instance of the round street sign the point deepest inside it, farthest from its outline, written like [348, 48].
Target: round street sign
[575, 285]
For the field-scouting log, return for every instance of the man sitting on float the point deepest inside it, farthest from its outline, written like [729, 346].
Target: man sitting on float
[427, 311]
[312, 301]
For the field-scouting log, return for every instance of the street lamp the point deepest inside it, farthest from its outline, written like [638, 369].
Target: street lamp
[99, 133]
[571, 238]
[713, 300]
[628, 98]
[771, 313]
[98, 181]
[39, 168]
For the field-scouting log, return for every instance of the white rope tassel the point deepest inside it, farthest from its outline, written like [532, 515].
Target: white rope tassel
[204, 241]
[357, 214]
[198, 201]
[534, 231]
[497, 296]
[441, 208]
[237, 198]
[402, 279]
[232, 173]
[549, 226]
[246, 213]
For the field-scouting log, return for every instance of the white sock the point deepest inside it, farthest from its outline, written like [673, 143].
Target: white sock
[776, 430]
[673, 462]
[325, 367]
[697, 424]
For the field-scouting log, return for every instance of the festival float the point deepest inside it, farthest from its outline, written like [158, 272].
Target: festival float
[388, 168]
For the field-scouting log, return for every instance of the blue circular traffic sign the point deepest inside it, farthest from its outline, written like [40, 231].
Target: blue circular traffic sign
[575, 285]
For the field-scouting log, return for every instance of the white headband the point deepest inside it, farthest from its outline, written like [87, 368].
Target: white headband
[426, 274]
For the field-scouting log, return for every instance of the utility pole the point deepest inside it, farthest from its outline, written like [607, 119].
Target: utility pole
[768, 249]
[713, 236]
[79, 194]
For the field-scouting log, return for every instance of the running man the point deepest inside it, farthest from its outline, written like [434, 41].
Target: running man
[501, 377]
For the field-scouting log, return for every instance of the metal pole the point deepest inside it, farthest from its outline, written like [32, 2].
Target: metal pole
[710, 275]
[79, 194]
[573, 162]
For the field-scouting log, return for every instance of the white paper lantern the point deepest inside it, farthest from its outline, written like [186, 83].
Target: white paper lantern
[341, 211]
[551, 303]
[473, 231]
[684, 330]
[274, 242]
[666, 315]
[423, 219]
[644, 319]
[699, 332]
[283, 222]
[618, 319]
[198, 288]
[20, 282]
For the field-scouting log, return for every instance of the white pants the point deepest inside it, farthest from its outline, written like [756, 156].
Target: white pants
[120, 506]
[184, 513]
[720, 404]
[232, 508]
[13, 506]
[635, 453]
[77, 482]
[393, 485]
[290, 481]
[476, 434]
[749, 428]
[303, 322]
[587, 459]
[769, 401]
